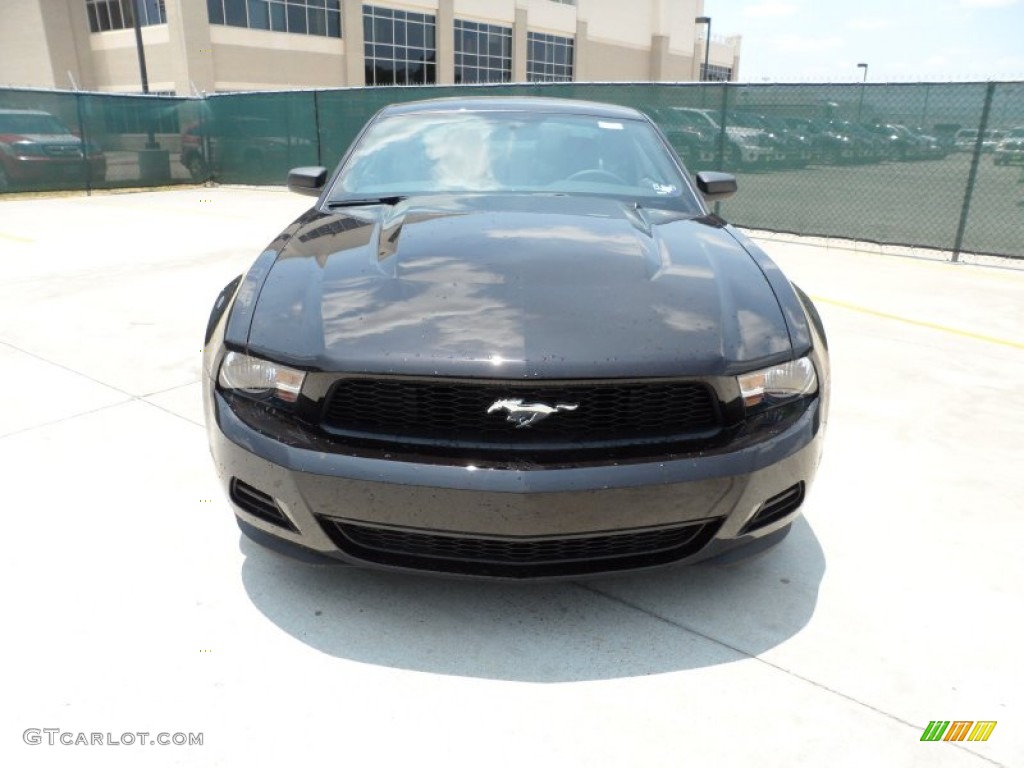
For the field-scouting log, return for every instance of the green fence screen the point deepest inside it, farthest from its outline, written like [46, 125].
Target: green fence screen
[937, 165]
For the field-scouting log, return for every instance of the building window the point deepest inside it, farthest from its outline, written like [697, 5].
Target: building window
[715, 73]
[400, 47]
[548, 57]
[302, 17]
[483, 53]
[105, 15]
[566, 2]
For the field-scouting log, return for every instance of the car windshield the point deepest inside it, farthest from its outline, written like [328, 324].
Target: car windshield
[513, 152]
[25, 123]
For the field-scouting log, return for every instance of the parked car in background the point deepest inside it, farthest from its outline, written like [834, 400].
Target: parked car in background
[252, 145]
[868, 147]
[511, 340]
[693, 145]
[795, 149]
[1010, 151]
[745, 145]
[38, 150]
[830, 145]
[966, 138]
[905, 144]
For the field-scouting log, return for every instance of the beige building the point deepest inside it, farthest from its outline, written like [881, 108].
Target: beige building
[195, 46]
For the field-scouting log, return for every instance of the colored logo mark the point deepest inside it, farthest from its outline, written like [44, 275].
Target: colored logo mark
[958, 730]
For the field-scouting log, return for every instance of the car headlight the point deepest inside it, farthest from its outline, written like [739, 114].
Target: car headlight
[27, 149]
[778, 384]
[260, 377]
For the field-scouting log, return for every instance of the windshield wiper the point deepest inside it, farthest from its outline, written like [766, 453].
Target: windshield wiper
[387, 200]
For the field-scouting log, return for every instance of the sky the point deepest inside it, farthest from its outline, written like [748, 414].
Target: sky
[804, 41]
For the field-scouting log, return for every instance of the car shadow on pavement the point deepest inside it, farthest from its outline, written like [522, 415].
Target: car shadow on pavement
[596, 629]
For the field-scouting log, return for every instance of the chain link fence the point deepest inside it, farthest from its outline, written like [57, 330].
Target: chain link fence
[936, 165]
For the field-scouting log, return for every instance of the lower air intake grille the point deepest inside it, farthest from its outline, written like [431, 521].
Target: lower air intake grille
[776, 508]
[520, 556]
[258, 504]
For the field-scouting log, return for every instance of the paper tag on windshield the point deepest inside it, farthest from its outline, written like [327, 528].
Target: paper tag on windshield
[609, 126]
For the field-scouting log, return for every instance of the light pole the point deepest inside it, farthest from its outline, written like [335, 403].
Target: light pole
[707, 44]
[141, 51]
[860, 102]
[154, 162]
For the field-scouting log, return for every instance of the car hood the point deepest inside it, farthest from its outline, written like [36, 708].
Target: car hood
[518, 286]
[43, 138]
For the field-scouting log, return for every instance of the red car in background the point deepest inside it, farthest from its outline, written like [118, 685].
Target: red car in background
[37, 149]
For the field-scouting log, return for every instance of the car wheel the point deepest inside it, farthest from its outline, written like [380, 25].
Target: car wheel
[197, 168]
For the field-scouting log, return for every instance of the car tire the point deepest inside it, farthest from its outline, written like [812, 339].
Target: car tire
[197, 168]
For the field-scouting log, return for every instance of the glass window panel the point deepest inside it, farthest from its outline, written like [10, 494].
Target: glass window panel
[104, 16]
[259, 14]
[333, 24]
[278, 21]
[415, 35]
[216, 11]
[234, 12]
[296, 19]
[383, 30]
[317, 19]
[94, 24]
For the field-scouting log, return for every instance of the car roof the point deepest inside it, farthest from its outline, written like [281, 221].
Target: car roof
[514, 104]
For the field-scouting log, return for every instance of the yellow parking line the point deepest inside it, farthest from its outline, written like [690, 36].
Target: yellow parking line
[16, 238]
[922, 323]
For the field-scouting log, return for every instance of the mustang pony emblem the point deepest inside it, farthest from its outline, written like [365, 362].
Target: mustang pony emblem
[527, 414]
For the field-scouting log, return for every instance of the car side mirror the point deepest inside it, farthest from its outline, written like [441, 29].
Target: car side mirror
[716, 186]
[308, 180]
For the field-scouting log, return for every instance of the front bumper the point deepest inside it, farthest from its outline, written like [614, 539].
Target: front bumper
[32, 170]
[512, 523]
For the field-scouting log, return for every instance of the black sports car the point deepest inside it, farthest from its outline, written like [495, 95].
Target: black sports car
[511, 340]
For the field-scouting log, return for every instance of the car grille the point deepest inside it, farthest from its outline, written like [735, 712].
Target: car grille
[455, 412]
[776, 508]
[63, 150]
[521, 556]
[258, 504]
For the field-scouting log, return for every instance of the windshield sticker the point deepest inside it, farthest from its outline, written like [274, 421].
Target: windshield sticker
[609, 126]
[665, 189]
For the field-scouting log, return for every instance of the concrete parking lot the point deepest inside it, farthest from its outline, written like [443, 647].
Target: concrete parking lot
[133, 605]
